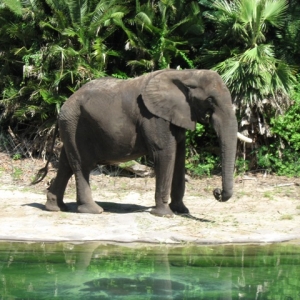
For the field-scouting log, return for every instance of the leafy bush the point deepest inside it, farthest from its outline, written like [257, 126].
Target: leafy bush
[287, 126]
[199, 160]
[202, 164]
[284, 162]
[282, 156]
[191, 136]
[241, 165]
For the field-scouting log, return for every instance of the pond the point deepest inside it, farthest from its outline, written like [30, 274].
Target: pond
[108, 271]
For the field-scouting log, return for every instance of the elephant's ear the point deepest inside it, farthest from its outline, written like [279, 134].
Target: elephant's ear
[166, 96]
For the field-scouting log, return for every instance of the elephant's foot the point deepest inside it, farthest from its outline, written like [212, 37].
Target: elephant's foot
[90, 208]
[52, 205]
[179, 208]
[162, 211]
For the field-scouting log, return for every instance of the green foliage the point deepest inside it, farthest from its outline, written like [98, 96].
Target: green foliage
[192, 135]
[199, 162]
[283, 155]
[189, 62]
[287, 126]
[285, 162]
[164, 34]
[288, 42]
[17, 173]
[202, 164]
[241, 165]
[265, 160]
[120, 75]
[17, 156]
[13, 5]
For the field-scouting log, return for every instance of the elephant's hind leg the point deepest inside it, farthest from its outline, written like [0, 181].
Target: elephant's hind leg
[85, 201]
[56, 190]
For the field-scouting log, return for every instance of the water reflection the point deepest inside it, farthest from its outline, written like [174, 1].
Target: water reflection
[104, 271]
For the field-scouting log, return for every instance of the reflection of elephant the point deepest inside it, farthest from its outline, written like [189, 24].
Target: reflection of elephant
[111, 120]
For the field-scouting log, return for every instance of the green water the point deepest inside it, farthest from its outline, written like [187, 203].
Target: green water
[104, 271]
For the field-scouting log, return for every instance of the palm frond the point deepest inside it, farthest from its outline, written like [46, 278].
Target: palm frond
[77, 10]
[275, 12]
[147, 64]
[247, 11]
[225, 7]
[14, 6]
[143, 19]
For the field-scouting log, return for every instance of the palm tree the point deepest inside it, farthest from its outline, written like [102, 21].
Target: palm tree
[246, 58]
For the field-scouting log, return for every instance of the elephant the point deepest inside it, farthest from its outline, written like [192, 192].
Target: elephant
[110, 120]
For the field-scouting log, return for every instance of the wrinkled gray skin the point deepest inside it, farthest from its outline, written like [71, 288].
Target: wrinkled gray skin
[111, 120]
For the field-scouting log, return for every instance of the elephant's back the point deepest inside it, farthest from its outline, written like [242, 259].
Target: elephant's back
[101, 98]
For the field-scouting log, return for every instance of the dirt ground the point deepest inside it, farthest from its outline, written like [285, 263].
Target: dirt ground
[264, 208]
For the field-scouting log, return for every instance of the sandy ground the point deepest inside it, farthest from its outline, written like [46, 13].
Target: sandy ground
[264, 208]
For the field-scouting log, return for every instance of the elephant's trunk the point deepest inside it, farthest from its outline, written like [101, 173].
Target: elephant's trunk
[225, 125]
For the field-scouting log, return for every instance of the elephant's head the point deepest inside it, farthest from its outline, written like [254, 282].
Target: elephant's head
[190, 96]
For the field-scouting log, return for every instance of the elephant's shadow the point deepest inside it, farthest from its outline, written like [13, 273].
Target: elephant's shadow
[109, 207]
[116, 208]
[123, 208]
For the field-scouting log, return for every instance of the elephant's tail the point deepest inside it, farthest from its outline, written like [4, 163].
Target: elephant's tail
[43, 171]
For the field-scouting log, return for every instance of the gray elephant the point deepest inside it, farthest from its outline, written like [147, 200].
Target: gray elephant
[111, 120]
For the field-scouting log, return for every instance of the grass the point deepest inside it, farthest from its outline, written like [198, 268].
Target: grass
[269, 195]
[242, 193]
[288, 192]
[94, 187]
[17, 173]
[286, 217]
[64, 216]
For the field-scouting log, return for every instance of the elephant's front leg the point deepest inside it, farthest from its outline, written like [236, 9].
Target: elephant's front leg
[164, 161]
[85, 202]
[178, 183]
